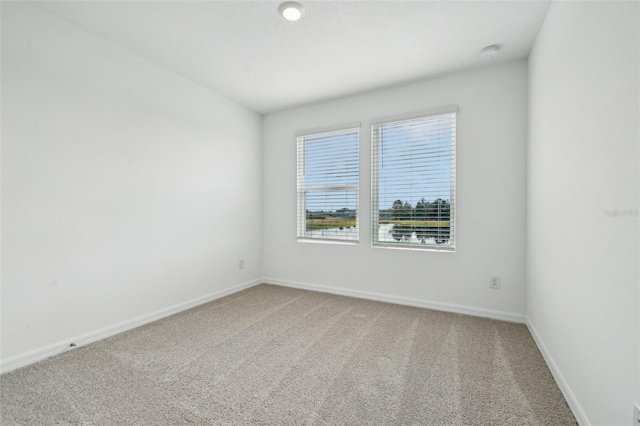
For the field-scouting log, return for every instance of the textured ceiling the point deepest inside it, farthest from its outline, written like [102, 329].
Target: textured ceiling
[245, 51]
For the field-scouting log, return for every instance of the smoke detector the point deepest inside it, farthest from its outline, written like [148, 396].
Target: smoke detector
[489, 51]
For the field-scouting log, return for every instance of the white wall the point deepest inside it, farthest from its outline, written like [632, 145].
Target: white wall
[582, 292]
[490, 201]
[125, 188]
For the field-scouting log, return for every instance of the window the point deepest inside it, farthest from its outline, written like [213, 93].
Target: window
[328, 169]
[413, 182]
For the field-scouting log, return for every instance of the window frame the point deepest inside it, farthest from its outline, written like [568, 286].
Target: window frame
[375, 187]
[302, 189]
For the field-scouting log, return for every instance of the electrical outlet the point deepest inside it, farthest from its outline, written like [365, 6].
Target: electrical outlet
[494, 281]
[636, 414]
[241, 264]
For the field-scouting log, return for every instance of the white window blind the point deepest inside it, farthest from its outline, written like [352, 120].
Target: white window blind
[328, 174]
[413, 182]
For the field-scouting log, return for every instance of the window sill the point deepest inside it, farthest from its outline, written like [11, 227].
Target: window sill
[414, 248]
[327, 241]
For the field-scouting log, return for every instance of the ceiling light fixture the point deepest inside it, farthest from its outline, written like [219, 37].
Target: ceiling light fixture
[291, 11]
[489, 52]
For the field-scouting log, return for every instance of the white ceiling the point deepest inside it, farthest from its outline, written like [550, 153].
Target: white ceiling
[245, 51]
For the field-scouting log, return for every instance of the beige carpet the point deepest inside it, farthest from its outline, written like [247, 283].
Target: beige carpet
[280, 356]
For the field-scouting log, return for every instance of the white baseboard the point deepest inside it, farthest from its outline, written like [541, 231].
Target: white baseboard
[575, 407]
[408, 301]
[87, 338]
[40, 354]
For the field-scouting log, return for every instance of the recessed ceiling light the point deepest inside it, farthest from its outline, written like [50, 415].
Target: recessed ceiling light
[291, 11]
[489, 52]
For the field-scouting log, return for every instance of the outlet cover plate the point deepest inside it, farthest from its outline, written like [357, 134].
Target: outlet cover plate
[494, 281]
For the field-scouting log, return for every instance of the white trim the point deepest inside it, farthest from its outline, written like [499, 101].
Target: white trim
[302, 189]
[328, 129]
[400, 300]
[327, 241]
[40, 354]
[452, 109]
[401, 246]
[571, 399]
[376, 140]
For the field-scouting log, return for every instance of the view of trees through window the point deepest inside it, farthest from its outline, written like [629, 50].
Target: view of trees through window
[426, 219]
[328, 176]
[413, 185]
